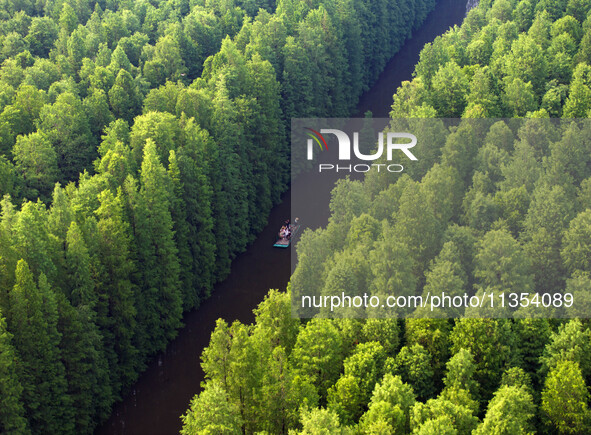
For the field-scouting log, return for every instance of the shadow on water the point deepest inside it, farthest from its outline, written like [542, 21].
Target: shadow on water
[163, 392]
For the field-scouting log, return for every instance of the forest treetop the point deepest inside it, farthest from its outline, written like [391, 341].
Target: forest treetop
[501, 208]
[142, 146]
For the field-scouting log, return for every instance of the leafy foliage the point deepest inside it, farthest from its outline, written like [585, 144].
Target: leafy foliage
[166, 124]
[495, 206]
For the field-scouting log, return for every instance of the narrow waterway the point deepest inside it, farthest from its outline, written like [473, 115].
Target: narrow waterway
[164, 390]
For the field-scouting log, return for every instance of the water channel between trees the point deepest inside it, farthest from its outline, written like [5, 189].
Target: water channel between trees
[163, 391]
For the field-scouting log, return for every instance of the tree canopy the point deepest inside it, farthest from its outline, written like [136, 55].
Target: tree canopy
[497, 205]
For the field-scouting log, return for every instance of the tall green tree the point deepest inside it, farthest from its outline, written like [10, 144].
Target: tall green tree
[81, 284]
[564, 399]
[570, 342]
[36, 160]
[578, 102]
[321, 421]
[433, 336]
[576, 245]
[200, 147]
[31, 240]
[42, 34]
[178, 211]
[283, 394]
[235, 174]
[511, 411]
[414, 366]
[66, 126]
[545, 223]
[501, 265]
[116, 308]
[12, 412]
[158, 303]
[319, 359]
[198, 196]
[362, 370]
[86, 367]
[34, 324]
[391, 390]
[449, 89]
[446, 273]
[491, 343]
[423, 241]
[124, 97]
[212, 412]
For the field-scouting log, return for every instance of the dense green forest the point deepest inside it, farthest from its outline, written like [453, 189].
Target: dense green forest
[501, 208]
[142, 145]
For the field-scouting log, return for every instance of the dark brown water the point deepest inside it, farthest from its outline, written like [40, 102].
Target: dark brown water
[164, 390]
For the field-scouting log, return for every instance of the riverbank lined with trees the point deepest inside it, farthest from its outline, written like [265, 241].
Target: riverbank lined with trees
[174, 115]
[501, 208]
